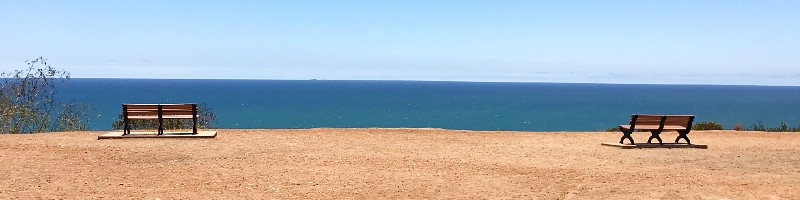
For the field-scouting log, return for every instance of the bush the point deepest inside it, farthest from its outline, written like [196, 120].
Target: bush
[782, 127]
[205, 120]
[758, 126]
[73, 117]
[738, 127]
[707, 126]
[28, 105]
[612, 129]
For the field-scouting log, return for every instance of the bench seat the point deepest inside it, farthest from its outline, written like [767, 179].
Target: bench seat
[654, 127]
[163, 117]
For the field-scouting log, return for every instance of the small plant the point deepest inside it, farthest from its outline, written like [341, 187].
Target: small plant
[73, 117]
[207, 116]
[783, 127]
[707, 126]
[758, 126]
[738, 127]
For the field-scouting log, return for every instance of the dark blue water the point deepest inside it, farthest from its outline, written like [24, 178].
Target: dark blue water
[451, 105]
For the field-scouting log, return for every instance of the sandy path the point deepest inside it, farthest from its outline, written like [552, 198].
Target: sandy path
[398, 163]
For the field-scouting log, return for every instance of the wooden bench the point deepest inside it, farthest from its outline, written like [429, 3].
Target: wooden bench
[159, 112]
[657, 124]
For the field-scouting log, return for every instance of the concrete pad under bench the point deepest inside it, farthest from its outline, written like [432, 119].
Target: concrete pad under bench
[118, 135]
[656, 145]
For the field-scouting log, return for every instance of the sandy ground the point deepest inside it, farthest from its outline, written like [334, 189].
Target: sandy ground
[398, 163]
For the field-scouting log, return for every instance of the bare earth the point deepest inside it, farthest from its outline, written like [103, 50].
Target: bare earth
[398, 163]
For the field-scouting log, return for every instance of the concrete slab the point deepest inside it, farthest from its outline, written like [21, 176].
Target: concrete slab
[118, 135]
[656, 145]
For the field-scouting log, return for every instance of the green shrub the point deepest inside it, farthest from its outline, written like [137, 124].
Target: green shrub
[28, 101]
[707, 126]
[758, 126]
[73, 117]
[782, 127]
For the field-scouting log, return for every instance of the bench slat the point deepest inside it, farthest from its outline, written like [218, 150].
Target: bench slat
[143, 117]
[647, 119]
[140, 106]
[142, 113]
[650, 117]
[677, 120]
[648, 122]
[179, 116]
[155, 113]
[164, 117]
[155, 110]
[654, 127]
[155, 106]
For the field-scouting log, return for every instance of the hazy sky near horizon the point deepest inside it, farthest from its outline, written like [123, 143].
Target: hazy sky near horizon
[683, 42]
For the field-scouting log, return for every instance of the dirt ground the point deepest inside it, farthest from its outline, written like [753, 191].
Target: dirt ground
[398, 163]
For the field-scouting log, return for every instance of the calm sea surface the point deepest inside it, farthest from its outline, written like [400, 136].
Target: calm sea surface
[451, 105]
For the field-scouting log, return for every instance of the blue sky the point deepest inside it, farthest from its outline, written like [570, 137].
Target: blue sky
[683, 42]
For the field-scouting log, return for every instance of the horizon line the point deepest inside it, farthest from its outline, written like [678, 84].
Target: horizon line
[455, 81]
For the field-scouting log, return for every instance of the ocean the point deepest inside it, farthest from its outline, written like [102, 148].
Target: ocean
[247, 104]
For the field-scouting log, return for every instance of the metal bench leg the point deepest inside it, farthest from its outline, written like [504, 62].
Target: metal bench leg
[160, 120]
[160, 126]
[626, 134]
[194, 119]
[683, 134]
[127, 129]
[655, 134]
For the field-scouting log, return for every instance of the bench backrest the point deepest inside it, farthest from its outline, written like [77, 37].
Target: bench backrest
[676, 120]
[153, 109]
